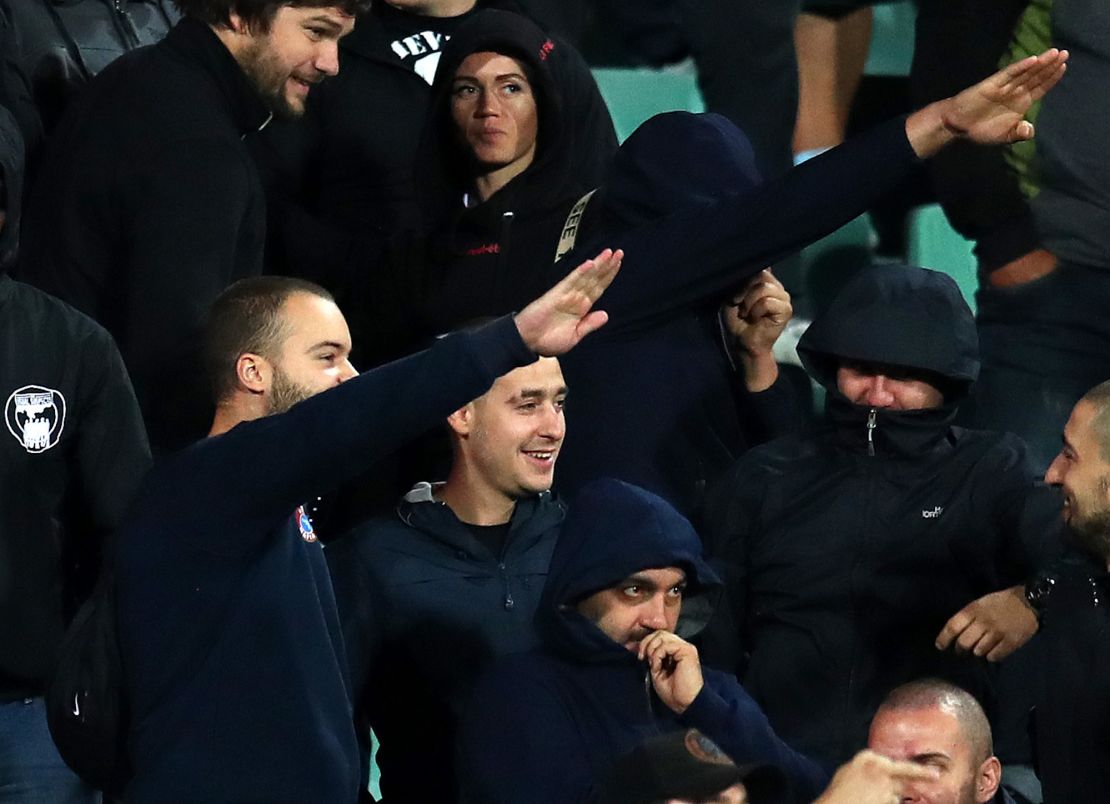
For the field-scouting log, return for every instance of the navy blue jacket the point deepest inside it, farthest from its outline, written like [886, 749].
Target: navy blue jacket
[425, 609]
[546, 726]
[231, 642]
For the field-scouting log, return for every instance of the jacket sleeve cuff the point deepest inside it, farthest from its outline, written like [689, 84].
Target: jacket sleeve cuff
[498, 348]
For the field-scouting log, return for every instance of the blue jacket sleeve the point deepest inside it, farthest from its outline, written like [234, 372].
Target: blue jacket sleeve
[260, 471]
[727, 715]
[694, 255]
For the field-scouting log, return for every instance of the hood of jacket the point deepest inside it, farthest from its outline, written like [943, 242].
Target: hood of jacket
[673, 161]
[11, 164]
[532, 518]
[613, 530]
[565, 124]
[902, 316]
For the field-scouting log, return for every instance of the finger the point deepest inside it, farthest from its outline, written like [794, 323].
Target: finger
[592, 322]
[1022, 132]
[1002, 650]
[970, 636]
[953, 628]
[988, 642]
[1052, 80]
[912, 772]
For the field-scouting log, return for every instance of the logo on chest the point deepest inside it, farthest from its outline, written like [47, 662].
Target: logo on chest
[35, 417]
[934, 514]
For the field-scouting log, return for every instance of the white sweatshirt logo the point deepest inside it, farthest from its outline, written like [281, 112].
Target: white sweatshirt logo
[35, 417]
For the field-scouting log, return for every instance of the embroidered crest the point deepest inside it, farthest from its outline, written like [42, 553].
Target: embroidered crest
[35, 417]
[304, 524]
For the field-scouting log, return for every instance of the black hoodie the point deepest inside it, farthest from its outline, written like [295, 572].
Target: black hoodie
[148, 205]
[547, 726]
[474, 253]
[72, 453]
[846, 550]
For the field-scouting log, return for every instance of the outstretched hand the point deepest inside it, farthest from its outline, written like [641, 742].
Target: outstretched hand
[991, 112]
[559, 319]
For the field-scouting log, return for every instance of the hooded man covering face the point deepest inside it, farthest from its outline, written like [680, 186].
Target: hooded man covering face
[627, 586]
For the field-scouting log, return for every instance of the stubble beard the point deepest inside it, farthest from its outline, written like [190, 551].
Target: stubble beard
[285, 393]
[269, 77]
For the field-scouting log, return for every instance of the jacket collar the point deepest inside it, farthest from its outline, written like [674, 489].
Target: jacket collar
[532, 518]
[198, 43]
[881, 433]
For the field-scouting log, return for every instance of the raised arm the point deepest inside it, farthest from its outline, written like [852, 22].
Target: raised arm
[261, 470]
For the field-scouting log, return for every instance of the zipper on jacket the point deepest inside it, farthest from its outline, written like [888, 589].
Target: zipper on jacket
[509, 603]
[872, 415]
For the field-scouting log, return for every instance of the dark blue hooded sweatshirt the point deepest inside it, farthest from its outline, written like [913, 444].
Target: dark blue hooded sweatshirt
[231, 642]
[655, 400]
[546, 726]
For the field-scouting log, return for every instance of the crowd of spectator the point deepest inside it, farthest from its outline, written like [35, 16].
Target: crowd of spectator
[266, 265]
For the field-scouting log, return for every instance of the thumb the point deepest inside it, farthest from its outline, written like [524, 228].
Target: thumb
[1023, 131]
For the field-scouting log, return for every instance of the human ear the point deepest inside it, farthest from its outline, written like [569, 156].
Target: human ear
[988, 780]
[254, 373]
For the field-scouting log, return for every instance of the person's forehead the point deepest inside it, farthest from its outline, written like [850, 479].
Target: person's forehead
[545, 375]
[306, 315]
[660, 576]
[908, 733]
[487, 63]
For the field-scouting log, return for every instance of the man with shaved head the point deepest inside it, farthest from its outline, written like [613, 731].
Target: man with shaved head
[939, 725]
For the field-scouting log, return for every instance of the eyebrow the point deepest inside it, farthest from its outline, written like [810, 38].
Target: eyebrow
[646, 582]
[328, 22]
[539, 393]
[928, 757]
[1068, 444]
[504, 77]
[326, 344]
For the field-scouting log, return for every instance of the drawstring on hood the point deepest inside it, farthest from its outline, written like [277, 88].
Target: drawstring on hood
[895, 315]
[613, 530]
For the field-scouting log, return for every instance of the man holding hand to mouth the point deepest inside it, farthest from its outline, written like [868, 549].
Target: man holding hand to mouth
[431, 595]
[626, 588]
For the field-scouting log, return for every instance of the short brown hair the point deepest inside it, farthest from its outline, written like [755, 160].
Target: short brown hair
[1099, 397]
[246, 318]
[257, 14]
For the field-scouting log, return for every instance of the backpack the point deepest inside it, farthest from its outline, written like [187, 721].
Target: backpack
[86, 705]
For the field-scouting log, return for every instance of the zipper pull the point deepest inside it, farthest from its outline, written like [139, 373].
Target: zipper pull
[871, 417]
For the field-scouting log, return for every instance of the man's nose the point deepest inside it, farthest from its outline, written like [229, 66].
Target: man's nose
[553, 425]
[879, 393]
[327, 57]
[347, 371]
[654, 614]
[1054, 476]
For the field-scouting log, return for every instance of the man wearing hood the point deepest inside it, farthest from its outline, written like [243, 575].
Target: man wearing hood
[72, 454]
[848, 549]
[627, 586]
[431, 596]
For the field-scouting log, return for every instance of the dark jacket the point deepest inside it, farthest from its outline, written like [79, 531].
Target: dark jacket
[847, 549]
[72, 454]
[230, 638]
[62, 44]
[547, 726]
[148, 205]
[1070, 739]
[425, 609]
